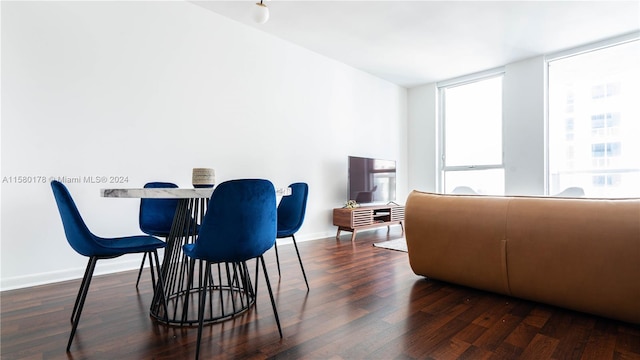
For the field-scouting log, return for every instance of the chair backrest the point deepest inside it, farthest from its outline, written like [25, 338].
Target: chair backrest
[292, 208]
[78, 235]
[156, 215]
[240, 223]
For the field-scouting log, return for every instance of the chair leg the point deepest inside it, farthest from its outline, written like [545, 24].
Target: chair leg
[203, 296]
[153, 275]
[255, 290]
[273, 302]
[80, 291]
[275, 245]
[140, 271]
[246, 281]
[82, 297]
[300, 260]
[159, 288]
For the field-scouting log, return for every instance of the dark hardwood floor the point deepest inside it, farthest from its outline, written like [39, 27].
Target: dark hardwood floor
[364, 303]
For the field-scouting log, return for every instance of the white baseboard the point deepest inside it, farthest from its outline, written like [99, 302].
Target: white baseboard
[110, 266]
[307, 237]
[102, 268]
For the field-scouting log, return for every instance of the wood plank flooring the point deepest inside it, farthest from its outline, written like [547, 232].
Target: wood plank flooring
[364, 303]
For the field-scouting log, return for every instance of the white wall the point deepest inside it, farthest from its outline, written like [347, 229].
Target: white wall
[149, 90]
[422, 138]
[523, 110]
[523, 130]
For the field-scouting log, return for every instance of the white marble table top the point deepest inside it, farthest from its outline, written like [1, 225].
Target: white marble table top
[170, 193]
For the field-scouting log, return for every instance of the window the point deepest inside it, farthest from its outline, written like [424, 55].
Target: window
[608, 149]
[602, 181]
[471, 133]
[569, 108]
[568, 129]
[605, 124]
[597, 122]
[594, 121]
[606, 90]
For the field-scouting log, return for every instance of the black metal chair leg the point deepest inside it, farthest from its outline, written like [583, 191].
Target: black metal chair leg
[244, 283]
[273, 302]
[255, 291]
[275, 245]
[300, 260]
[153, 275]
[144, 258]
[159, 289]
[203, 296]
[83, 296]
[80, 290]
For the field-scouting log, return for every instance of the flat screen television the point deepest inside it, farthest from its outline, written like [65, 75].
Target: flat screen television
[371, 181]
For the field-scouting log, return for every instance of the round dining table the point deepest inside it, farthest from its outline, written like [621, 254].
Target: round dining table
[175, 300]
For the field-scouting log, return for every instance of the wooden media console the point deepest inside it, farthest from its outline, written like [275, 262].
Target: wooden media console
[367, 217]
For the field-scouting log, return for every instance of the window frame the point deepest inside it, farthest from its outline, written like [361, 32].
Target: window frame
[577, 51]
[441, 128]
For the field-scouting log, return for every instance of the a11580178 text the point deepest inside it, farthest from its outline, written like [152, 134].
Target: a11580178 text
[89, 179]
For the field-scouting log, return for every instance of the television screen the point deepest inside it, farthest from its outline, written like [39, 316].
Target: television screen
[371, 181]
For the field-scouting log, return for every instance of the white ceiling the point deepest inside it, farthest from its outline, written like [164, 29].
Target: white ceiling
[417, 42]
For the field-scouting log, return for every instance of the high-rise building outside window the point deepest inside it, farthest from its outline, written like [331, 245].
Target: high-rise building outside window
[594, 121]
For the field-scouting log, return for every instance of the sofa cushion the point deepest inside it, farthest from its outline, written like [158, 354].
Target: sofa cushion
[576, 253]
[458, 239]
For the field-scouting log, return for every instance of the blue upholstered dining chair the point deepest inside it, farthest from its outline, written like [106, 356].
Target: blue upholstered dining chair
[96, 248]
[239, 225]
[291, 211]
[156, 216]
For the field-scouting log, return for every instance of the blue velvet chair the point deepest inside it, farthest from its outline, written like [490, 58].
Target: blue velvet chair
[156, 216]
[291, 211]
[97, 248]
[239, 225]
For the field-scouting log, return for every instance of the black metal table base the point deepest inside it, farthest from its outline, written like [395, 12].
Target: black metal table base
[231, 291]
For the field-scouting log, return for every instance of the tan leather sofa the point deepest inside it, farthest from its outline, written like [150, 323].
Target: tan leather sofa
[580, 254]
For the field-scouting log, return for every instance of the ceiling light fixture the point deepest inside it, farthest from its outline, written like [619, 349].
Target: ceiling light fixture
[261, 13]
